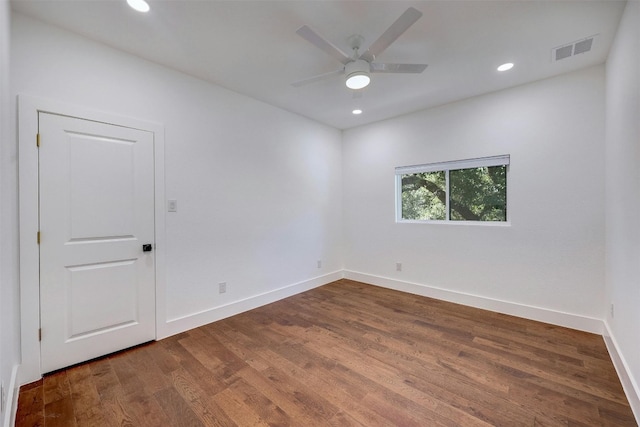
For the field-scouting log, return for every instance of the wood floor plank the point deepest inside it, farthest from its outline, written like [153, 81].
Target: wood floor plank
[202, 403]
[237, 411]
[266, 410]
[146, 369]
[288, 403]
[344, 354]
[339, 395]
[388, 378]
[30, 410]
[176, 408]
[105, 379]
[56, 387]
[86, 400]
[208, 380]
[117, 410]
[59, 413]
[128, 377]
[343, 420]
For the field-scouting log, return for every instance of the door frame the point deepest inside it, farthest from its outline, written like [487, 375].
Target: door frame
[28, 109]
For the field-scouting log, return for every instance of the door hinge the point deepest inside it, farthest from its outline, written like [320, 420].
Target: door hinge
[38, 237]
[40, 334]
[37, 140]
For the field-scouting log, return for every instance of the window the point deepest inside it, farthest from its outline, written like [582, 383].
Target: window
[464, 190]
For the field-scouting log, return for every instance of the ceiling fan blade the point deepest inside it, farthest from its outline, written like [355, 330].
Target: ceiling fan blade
[317, 78]
[397, 68]
[320, 42]
[402, 24]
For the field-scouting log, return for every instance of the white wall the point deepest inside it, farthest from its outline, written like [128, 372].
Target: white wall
[550, 257]
[258, 188]
[623, 196]
[9, 312]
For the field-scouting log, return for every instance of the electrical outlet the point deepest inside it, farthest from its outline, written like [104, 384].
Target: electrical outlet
[398, 266]
[319, 264]
[172, 205]
[222, 287]
[611, 308]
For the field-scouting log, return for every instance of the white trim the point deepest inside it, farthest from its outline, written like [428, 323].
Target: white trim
[465, 223]
[630, 387]
[568, 320]
[12, 399]
[195, 320]
[398, 198]
[479, 162]
[28, 109]
[447, 202]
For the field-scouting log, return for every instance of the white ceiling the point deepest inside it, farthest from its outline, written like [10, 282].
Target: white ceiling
[251, 47]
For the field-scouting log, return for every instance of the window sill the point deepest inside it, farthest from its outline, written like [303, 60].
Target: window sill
[463, 223]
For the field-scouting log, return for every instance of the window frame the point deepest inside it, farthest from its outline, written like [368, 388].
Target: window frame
[446, 167]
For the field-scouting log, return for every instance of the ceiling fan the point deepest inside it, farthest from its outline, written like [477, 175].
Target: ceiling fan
[357, 67]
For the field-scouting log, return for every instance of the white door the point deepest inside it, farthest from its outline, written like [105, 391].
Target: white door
[97, 284]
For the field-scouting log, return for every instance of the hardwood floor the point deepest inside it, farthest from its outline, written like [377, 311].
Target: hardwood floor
[345, 354]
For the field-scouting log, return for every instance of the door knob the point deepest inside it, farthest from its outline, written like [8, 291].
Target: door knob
[147, 247]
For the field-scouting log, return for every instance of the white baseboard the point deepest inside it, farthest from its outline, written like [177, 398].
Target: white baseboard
[191, 321]
[12, 399]
[568, 320]
[630, 387]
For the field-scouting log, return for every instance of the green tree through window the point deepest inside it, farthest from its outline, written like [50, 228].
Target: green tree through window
[456, 194]
[478, 194]
[424, 196]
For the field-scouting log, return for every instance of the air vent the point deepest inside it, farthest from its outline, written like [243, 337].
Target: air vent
[572, 49]
[563, 52]
[583, 46]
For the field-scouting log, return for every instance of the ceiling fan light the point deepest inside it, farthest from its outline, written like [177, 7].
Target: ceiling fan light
[139, 5]
[358, 80]
[357, 74]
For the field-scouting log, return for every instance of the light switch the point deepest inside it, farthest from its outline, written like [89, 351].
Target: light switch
[172, 206]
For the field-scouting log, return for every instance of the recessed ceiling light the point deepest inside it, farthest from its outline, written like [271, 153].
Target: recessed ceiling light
[139, 5]
[357, 111]
[505, 67]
